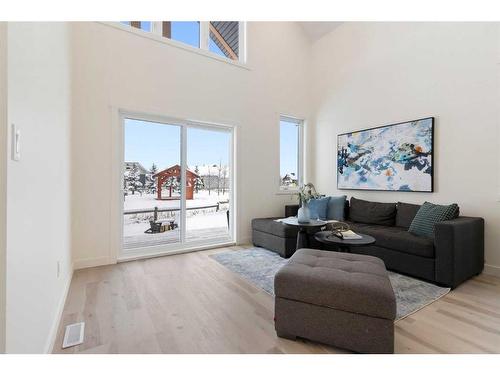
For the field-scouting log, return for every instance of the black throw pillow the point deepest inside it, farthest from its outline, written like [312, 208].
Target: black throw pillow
[361, 211]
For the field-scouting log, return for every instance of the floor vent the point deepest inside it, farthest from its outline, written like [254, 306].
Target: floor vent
[73, 335]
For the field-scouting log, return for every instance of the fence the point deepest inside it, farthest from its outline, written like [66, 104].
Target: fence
[156, 210]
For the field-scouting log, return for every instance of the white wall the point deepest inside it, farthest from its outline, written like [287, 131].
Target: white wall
[370, 74]
[3, 175]
[117, 69]
[38, 186]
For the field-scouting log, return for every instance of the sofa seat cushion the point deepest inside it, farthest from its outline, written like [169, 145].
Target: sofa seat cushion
[397, 238]
[269, 225]
[348, 282]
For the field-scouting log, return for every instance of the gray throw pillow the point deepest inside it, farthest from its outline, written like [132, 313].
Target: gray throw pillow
[405, 213]
[367, 212]
[430, 214]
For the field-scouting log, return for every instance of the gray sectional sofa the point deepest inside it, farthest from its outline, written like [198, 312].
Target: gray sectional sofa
[454, 255]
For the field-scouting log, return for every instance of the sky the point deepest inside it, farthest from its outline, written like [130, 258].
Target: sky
[189, 32]
[289, 140]
[149, 142]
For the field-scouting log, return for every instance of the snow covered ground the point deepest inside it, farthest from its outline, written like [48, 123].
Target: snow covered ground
[200, 221]
[197, 221]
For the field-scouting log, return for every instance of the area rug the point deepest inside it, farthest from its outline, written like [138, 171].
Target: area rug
[258, 266]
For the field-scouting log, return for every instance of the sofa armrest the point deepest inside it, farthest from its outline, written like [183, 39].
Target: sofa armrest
[291, 210]
[459, 245]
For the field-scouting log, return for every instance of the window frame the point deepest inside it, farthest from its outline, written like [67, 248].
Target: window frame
[157, 32]
[300, 154]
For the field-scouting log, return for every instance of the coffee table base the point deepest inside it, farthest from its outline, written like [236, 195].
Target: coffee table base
[302, 240]
[343, 248]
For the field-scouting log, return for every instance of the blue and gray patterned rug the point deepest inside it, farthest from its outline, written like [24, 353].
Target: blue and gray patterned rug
[258, 266]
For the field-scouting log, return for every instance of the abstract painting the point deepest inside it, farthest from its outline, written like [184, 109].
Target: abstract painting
[396, 157]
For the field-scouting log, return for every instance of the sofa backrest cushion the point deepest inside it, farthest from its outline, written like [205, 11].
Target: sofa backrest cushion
[405, 213]
[430, 214]
[336, 208]
[361, 211]
[318, 208]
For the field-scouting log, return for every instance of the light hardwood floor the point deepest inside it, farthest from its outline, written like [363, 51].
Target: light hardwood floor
[191, 304]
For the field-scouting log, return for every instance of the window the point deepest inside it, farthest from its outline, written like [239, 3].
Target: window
[185, 32]
[142, 25]
[223, 38]
[291, 152]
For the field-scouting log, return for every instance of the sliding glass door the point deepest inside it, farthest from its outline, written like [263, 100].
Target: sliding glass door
[177, 185]
[151, 184]
[208, 196]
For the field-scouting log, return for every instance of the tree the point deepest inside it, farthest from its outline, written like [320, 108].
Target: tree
[219, 169]
[151, 181]
[132, 179]
[224, 177]
[154, 169]
[198, 182]
[172, 183]
[209, 181]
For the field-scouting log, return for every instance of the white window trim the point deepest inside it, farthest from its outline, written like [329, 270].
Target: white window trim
[282, 190]
[156, 35]
[205, 36]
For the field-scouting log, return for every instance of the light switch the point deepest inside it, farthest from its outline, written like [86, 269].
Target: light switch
[16, 143]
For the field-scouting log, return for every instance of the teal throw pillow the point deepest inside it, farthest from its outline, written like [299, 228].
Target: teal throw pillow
[318, 208]
[336, 208]
[428, 215]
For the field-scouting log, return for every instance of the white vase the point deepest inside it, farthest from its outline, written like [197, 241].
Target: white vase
[303, 215]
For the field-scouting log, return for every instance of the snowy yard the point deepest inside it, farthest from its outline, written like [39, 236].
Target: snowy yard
[200, 223]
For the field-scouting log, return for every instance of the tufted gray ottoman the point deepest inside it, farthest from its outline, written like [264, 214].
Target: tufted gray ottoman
[340, 299]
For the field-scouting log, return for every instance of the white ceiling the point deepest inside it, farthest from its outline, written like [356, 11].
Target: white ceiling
[315, 30]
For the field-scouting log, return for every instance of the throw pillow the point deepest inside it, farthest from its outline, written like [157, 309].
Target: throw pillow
[367, 212]
[336, 208]
[430, 214]
[406, 212]
[318, 208]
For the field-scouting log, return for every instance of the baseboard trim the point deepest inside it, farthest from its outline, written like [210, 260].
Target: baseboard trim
[492, 270]
[245, 240]
[93, 262]
[49, 346]
[129, 258]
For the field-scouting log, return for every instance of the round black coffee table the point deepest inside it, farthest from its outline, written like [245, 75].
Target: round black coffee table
[328, 238]
[302, 235]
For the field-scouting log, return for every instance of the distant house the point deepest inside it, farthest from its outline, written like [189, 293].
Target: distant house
[289, 180]
[143, 172]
